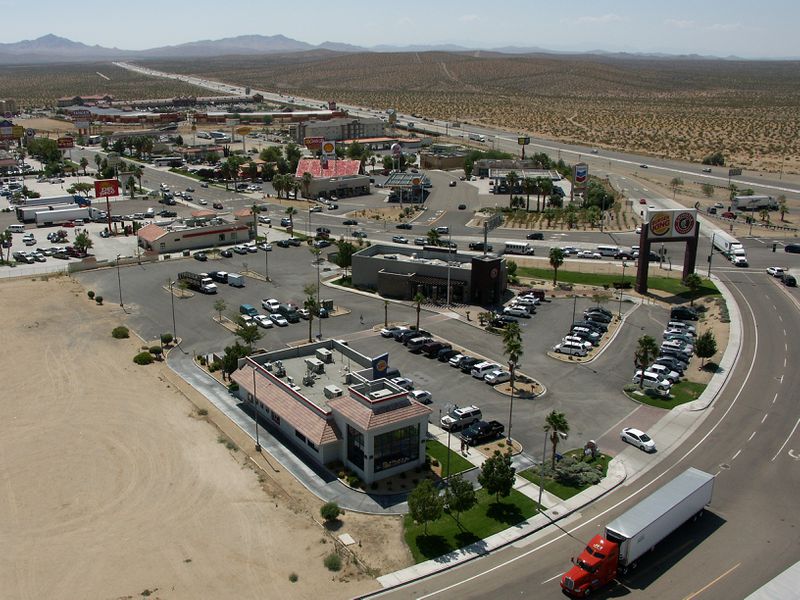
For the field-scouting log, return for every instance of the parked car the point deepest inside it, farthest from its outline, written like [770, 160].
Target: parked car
[775, 271]
[403, 226]
[279, 320]
[399, 239]
[570, 348]
[671, 363]
[421, 396]
[456, 359]
[789, 280]
[201, 256]
[467, 364]
[403, 382]
[240, 249]
[576, 339]
[792, 248]
[388, 331]
[638, 438]
[497, 376]
[684, 313]
[460, 418]
[263, 321]
[665, 372]
[517, 311]
[445, 354]
[397, 334]
[652, 381]
[412, 333]
[597, 316]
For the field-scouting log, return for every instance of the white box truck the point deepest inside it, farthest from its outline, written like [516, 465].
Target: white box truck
[638, 531]
[235, 280]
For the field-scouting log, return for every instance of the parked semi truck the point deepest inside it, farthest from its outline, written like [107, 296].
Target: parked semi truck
[57, 216]
[636, 532]
[754, 203]
[199, 282]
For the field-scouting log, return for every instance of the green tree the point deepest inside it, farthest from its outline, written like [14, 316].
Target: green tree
[545, 187]
[81, 188]
[419, 298]
[433, 237]
[310, 304]
[307, 180]
[83, 242]
[511, 271]
[344, 254]
[459, 496]
[782, 208]
[646, 351]
[706, 346]
[138, 173]
[291, 211]
[557, 427]
[529, 187]
[556, 260]
[220, 306]
[693, 282]
[425, 504]
[6, 239]
[166, 339]
[497, 475]
[230, 359]
[764, 215]
[512, 348]
[84, 162]
[131, 185]
[330, 511]
[707, 189]
[511, 181]
[293, 154]
[249, 334]
[675, 183]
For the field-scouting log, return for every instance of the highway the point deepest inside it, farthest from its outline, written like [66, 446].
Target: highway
[749, 438]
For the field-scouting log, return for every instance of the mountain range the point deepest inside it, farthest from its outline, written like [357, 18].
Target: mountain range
[54, 49]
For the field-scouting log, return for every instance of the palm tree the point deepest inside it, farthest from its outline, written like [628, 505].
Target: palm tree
[512, 348]
[545, 188]
[511, 181]
[255, 210]
[138, 172]
[433, 237]
[386, 313]
[556, 260]
[291, 211]
[558, 428]
[782, 208]
[307, 179]
[310, 304]
[646, 350]
[98, 160]
[419, 298]
[225, 171]
[84, 162]
[529, 187]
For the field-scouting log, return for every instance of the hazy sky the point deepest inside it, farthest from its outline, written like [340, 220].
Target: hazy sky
[734, 27]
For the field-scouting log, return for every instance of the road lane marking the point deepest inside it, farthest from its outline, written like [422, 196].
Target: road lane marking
[786, 441]
[752, 435]
[738, 452]
[775, 398]
[766, 415]
[552, 578]
[708, 585]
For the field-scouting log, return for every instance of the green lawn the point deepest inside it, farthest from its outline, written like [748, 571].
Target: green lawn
[458, 464]
[682, 392]
[558, 489]
[486, 518]
[665, 284]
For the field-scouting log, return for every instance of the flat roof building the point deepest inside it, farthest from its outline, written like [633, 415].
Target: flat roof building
[401, 272]
[335, 176]
[335, 405]
[178, 236]
[339, 129]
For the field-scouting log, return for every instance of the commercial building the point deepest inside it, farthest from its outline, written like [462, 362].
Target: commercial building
[386, 143]
[199, 234]
[401, 272]
[8, 106]
[332, 404]
[85, 100]
[332, 177]
[443, 157]
[339, 129]
[257, 117]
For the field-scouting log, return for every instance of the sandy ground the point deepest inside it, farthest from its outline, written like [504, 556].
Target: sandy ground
[112, 484]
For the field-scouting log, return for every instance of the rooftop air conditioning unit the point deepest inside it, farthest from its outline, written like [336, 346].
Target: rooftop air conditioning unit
[380, 394]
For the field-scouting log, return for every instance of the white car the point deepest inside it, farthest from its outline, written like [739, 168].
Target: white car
[240, 249]
[571, 349]
[454, 360]
[265, 247]
[270, 305]
[278, 320]
[421, 396]
[497, 376]
[403, 382]
[202, 202]
[677, 345]
[304, 313]
[264, 220]
[665, 372]
[251, 247]
[263, 321]
[516, 311]
[775, 271]
[577, 340]
[315, 209]
[388, 332]
[653, 381]
[638, 438]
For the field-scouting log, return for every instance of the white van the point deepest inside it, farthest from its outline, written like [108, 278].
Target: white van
[519, 248]
[480, 370]
[570, 348]
[16, 228]
[653, 381]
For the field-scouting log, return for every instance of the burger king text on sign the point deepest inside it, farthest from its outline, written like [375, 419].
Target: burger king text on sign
[660, 223]
[105, 188]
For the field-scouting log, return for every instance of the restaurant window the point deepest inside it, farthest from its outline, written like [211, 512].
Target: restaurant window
[396, 447]
[355, 447]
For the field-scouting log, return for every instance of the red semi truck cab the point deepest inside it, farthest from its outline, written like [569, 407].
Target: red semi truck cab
[595, 567]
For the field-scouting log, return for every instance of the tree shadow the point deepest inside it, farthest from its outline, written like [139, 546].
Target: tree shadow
[508, 514]
[334, 525]
[431, 546]
[465, 538]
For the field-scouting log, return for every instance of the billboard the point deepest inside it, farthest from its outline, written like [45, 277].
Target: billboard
[65, 143]
[313, 143]
[734, 172]
[671, 223]
[523, 140]
[580, 177]
[6, 130]
[103, 188]
[82, 118]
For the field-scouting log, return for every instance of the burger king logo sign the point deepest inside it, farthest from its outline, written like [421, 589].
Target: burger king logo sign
[684, 223]
[660, 223]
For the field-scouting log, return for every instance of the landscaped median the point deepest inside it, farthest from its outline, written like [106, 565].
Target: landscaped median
[680, 393]
[573, 474]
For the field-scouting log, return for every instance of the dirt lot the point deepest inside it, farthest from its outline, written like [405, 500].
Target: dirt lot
[114, 485]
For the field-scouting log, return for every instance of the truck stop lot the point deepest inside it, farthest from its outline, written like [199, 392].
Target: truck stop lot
[591, 414]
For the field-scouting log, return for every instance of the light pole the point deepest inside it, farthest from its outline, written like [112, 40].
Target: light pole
[255, 408]
[541, 468]
[319, 306]
[266, 258]
[574, 305]
[511, 367]
[711, 253]
[172, 298]
[119, 282]
[449, 260]
[622, 287]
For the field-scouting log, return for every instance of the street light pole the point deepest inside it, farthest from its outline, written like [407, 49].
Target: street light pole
[255, 408]
[172, 298]
[319, 306]
[119, 282]
[541, 468]
[622, 287]
[711, 253]
[266, 258]
[449, 250]
[511, 367]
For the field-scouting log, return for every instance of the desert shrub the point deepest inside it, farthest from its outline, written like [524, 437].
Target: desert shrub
[90, 293]
[166, 338]
[575, 473]
[333, 562]
[143, 358]
[98, 299]
[202, 412]
[156, 351]
[293, 577]
[330, 511]
[120, 333]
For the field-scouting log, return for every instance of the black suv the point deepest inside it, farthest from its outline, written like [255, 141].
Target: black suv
[535, 235]
[683, 313]
[467, 364]
[403, 226]
[480, 246]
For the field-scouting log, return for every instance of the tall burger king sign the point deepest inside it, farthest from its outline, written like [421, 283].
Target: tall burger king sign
[677, 223]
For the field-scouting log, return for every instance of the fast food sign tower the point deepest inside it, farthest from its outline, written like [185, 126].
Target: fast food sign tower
[667, 226]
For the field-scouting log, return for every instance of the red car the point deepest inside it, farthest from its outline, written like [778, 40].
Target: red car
[642, 201]
[68, 224]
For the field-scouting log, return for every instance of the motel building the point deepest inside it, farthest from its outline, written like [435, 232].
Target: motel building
[334, 405]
